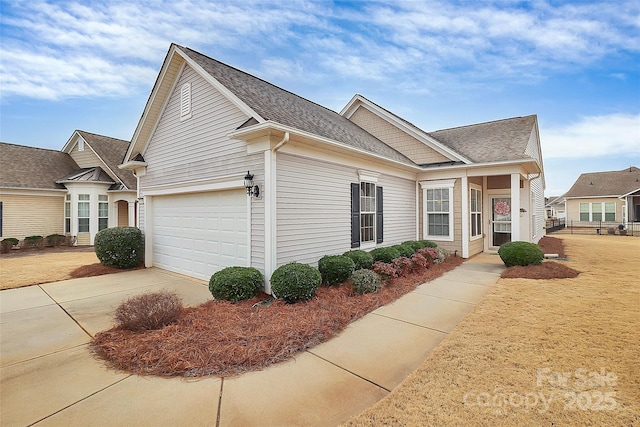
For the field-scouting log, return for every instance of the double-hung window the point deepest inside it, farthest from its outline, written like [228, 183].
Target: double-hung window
[438, 209]
[598, 211]
[366, 211]
[103, 212]
[83, 213]
[609, 211]
[67, 214]
[475, 205]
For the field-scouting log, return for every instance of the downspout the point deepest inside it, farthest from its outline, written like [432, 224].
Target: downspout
[270, 235]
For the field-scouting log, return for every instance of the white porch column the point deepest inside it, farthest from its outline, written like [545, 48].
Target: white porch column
[132, 214]
[515, 207]
[465, 217]
[74, 217]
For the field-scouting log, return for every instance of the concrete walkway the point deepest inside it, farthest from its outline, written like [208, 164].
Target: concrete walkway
[50, 378]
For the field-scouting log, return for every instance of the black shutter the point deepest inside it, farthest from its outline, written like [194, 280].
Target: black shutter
[355, 215]
[379, 219]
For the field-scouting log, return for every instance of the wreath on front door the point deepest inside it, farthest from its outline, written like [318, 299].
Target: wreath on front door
[502, 208]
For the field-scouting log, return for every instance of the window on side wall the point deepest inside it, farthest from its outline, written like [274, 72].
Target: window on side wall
[609, 211]
[438, 209]
[584, 211]
[103, 212]
[367, 224]
[83, 213]
[67, 214]
[475, 205]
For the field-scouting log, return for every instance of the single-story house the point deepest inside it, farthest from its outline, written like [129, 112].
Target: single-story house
[77, 191]
[612, 196]
[554, 207]
[321, 182]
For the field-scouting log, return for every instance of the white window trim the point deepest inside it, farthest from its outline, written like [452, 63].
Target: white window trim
[185, 102]
[67, 203]
[88, 202]
[481, 212]
[103, 202]
[601, 212]
[430, 185]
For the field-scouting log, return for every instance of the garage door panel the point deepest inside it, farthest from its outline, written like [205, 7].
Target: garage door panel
[199, 234]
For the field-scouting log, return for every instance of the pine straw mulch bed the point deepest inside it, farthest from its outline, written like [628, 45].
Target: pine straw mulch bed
[221, 338]
[546, 270]
[98, 269]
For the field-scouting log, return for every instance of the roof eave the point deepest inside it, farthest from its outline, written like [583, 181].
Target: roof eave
[133, 165]
[488, 164]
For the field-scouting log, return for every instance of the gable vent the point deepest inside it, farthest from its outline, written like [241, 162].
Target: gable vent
[185, 101]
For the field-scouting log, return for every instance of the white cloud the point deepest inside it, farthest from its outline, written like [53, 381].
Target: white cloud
[606, 135]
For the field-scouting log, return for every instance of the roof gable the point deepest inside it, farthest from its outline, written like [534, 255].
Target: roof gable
[33, 168]
[601, 184]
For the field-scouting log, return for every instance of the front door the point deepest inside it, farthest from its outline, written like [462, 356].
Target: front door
[500, 220]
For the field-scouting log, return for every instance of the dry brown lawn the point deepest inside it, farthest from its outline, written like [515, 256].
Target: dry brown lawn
[537, 352]
[32, 268]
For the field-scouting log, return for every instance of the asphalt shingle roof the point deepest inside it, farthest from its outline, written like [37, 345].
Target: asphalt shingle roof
[112, 152]
[30, 167]
[283, 107]
[611, 183]
[495, 141]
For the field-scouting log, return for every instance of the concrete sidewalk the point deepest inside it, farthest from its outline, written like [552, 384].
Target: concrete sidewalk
[49, 377]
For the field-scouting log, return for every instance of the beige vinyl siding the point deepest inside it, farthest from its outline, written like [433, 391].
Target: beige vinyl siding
[87, 158]
[313, 214]
[123, 214]
[399, 209]
[476, 246]
[396, 138]
[84, 239]
[198, 147]
[32, 215]
[573, 208]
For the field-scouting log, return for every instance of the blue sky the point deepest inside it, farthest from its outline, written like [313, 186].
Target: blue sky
[90, 65]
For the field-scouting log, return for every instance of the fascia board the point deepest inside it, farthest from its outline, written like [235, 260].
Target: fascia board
[221, 88]
[71, 142]
[421, 136]
[270, 125]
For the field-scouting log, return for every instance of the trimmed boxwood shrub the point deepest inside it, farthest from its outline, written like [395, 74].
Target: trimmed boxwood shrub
[361, 259]
[34, 242]
[414, 245]
[7, 244]
[427, 244]
[385, 255]
[121, 247]
[295, 282]
[55, 239]
[520, 253]
[335, 269]
[366, 281]
[405, 250]
[236, 283]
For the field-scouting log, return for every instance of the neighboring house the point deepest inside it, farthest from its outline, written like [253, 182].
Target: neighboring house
[327, 182]
[554, 207]
[612, 196]
[76, 191]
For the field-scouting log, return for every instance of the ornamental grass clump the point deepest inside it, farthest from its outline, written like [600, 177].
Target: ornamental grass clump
[236, 283]
[520, 253]
[362, 259]
[366, 281]
[121, 247]
[149, 311]
[335, 269]
[295, 282]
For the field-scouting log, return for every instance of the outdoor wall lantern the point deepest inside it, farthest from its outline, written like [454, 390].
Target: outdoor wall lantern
[252, 190]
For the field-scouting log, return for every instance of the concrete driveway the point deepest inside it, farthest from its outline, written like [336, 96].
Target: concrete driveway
[49, 376]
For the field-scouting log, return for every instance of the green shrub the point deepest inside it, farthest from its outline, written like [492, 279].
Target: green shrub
[121, 247]
[7, 244]
[385, 255]
[295, 282]
[520, 253]
[361, 259]
[335, 269]
[405, 250]
[236, 283]
[55, 239]
[414, 245]
[427, 244]
[366, 281]
[149, 311]
[34, 242]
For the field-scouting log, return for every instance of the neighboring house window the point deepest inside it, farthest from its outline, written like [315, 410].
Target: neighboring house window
[438, 209]
[596, 212]
[67, 214]
[185, 101]
[610, 211]
[584, 211]
[103, 212]
[367, 223]
[476, 212]
[83, 213]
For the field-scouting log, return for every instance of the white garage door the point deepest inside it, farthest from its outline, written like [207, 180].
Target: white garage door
[201, 233]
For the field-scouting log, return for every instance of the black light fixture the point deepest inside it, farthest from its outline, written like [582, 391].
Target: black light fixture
[252, 190]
